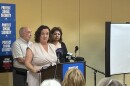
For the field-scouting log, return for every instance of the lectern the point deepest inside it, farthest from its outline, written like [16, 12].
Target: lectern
[58, 71]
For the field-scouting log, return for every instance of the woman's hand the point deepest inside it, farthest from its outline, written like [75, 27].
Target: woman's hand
[35, 70]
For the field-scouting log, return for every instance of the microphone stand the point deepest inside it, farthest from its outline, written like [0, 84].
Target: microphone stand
[75, 54]
[95, 71]
[124, 80]
[76, 49]
[58, 56]
[58, 60]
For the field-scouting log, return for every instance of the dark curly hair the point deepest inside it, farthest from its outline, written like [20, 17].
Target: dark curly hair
[56, 29]
[38, 32]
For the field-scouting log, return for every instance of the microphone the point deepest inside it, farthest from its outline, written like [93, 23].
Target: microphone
[59, 54]
[76, 49]
[70, 57]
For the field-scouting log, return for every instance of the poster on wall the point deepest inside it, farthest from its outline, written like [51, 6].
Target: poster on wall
[7, 12]
[7, 29]
[6, 63]
[7, 35]
[5, 46]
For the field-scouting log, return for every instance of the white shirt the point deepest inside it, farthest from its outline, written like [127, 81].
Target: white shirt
[41, 59]
[19, 51]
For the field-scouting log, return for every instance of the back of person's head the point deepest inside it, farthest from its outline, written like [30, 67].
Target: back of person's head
[73, 77]
[50, 82]
[109, 82]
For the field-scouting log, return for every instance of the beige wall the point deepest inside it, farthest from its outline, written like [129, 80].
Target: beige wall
[82, 22]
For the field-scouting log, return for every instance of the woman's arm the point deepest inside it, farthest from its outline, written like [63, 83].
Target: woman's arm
[28, 61]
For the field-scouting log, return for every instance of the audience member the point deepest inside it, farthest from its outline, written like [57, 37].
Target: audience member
[50, 82]
[19, 51]
[73, 77]
[109, 82]
[56, 39]
[40, 55]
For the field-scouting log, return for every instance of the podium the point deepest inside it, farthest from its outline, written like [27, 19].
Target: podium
[58, 71]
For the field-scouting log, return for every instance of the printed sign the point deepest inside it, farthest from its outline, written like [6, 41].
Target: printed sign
[78, 65]
[5, 45]
[7, 12]
[7, 36]
[7, 28]
[6, 63]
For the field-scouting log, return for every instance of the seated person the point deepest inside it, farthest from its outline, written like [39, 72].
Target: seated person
[50, 82]
[109, 82]
[73, 77]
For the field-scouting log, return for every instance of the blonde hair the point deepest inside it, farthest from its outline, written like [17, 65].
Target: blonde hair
[73, 77]
[109, 82]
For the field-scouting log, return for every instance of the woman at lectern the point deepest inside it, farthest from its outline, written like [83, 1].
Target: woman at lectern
[56, 39]
[40, 55]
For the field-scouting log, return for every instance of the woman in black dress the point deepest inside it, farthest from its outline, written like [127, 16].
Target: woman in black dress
[56, 39]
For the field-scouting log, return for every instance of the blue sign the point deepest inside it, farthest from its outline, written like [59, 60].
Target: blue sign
[7, 12]
[5, 46]
[78, 65]
[7, 35]
[7, 29]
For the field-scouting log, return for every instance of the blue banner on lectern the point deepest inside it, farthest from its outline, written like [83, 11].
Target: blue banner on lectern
[7, 35]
